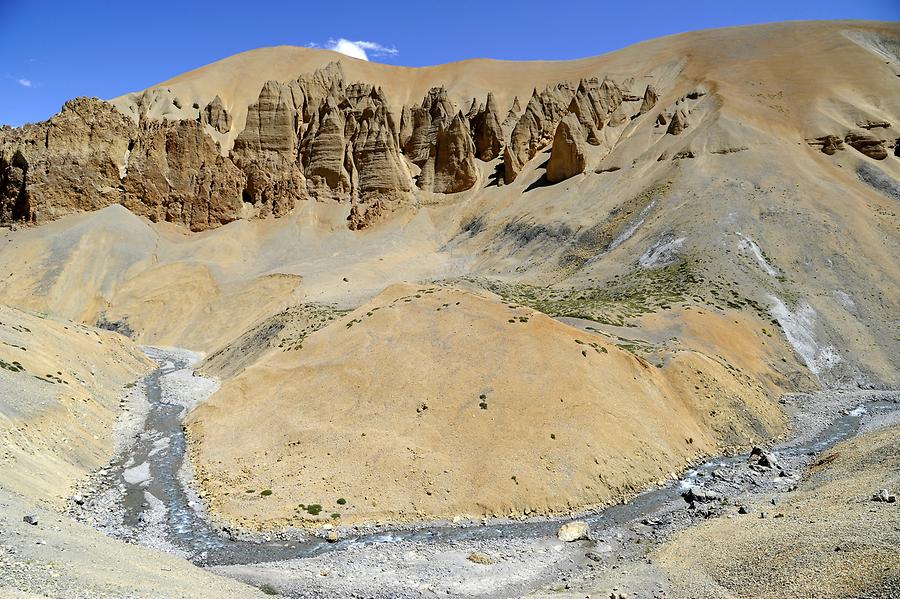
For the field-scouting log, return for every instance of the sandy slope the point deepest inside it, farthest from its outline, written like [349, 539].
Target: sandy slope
[60, 384]
[435, 402]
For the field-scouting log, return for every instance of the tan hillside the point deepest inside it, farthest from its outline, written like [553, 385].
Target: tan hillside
[60, 385]
[431, 402]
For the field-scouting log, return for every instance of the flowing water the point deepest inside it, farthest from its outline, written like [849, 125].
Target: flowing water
[151, 478]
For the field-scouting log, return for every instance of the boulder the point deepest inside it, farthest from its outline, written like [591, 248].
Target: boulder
[884, 496]
[574, 531]
[695, 494]
[761, 457]
[567, 155]
[30, 519]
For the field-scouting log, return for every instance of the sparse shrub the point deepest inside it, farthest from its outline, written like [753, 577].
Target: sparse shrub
[314, 509]
[341, 501]
[266, 492]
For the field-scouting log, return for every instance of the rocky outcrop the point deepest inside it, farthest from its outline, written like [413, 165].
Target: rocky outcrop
[440, 144]
[649, 101]
[90, 156]
[596, 105]
[535, 128]
[175, 174]
[512, 117]
[487, 130]
[216, 116]
[312, 138]
[567, 156]
[678, 123]
[271, 123]
[829, 144]
[867, 144]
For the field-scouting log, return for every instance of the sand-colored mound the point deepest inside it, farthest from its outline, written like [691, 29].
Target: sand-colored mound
[60, 383]
[826, 539]
[438, 402]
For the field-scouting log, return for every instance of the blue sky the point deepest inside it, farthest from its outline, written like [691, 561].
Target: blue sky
[52, 50]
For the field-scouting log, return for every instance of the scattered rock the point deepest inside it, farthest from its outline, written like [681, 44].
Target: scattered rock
[77, 499]
[872, 124]
[30, 519]
[574, 531]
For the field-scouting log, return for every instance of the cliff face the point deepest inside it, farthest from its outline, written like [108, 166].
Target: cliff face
[251, 136]
[315, 137]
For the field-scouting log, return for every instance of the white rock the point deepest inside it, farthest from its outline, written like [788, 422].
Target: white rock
[574, 531]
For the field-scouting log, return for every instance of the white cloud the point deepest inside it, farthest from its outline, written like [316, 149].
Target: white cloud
[359, 49]
[24, 82]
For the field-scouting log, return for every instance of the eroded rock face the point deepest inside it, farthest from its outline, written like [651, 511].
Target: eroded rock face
[651, 97]
[441, 145]
[678, 123]
[175, 174]
[867, 144]
[216, 116]
[567, 157]
[313, 138]
[487, 130]
[535, 128]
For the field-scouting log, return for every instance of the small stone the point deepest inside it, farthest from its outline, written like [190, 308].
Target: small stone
[77, 499]
[884, 496]
[743, 510]
[574, 531]
[332, 536]
[30, 519]
[480, 558]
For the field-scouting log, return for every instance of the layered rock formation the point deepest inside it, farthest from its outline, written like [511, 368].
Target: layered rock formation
[216, 116]
[487, 130]
[90, 156]
[535, 127]
[568, 155]
[439, 142]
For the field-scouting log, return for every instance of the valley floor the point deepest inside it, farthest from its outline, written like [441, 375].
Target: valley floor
[815, 506]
